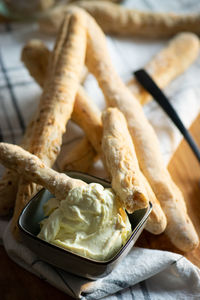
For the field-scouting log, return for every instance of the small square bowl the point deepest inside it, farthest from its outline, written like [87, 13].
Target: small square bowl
[29, 227]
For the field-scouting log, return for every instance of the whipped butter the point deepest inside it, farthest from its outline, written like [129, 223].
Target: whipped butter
[88, 222]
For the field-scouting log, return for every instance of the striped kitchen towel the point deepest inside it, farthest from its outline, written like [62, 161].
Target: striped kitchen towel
[143, 274]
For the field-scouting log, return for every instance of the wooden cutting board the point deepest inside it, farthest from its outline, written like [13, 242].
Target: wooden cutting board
[185, 170]
[16, 283]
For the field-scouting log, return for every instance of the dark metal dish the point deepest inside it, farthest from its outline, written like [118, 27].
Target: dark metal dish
[29, 227]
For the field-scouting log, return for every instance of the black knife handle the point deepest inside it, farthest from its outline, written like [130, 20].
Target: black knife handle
[147, 82]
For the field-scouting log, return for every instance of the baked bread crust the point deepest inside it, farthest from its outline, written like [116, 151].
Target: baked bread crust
[144, 139]
[128, 182]
[34, 170]
[57, 100]
[118, 20]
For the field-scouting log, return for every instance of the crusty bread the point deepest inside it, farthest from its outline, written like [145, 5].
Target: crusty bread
[9, 180]
[167, 64]
[35, 56]
[128, 182]
[121, 21]
[144, 138]
[57, 101]
[34, 170]
[116, 19]
[80, 158]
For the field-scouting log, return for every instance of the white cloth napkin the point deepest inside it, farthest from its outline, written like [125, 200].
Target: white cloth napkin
[143, 274]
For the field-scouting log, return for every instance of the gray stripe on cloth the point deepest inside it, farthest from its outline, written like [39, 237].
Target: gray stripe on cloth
[8, 121]
[144, 289]
[119, 295]
[1, 136]
[8, 27]
[132, 293]
[14, 68]
[12, 94]
[23, 83]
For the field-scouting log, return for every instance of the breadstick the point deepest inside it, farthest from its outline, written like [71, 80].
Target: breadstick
[8, 191]
[58, 98]
[86, 114]
[80, 158]
[9, 181]
[127, 179]
[169, 63]
[84, 75]
[121, 161]
[34, 170]
[19, 8]
[144, 139]
[116, 19]
[35, 55]
[39, 54]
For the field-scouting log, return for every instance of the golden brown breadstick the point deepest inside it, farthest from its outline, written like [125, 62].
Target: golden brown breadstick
[169, 63]
[19, 8]
[84, 75]
[144, 139]
[35, 56]
[34, 170]
[116, 19]
[8, 191]
[80, 158]
[165, 66]
[9, 181]
[58, 98]
[86, 114]
[122, 164]
[37, 52]
[121, 161]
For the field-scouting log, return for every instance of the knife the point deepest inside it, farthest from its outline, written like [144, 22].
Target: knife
[150, 86]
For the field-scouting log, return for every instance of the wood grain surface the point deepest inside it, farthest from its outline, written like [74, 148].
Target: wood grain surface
[16, 283]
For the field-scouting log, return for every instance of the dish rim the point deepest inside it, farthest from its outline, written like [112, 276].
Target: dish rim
[64, 251]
